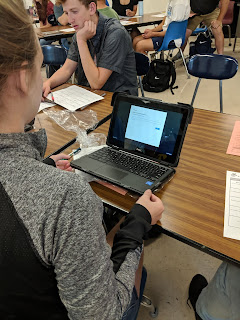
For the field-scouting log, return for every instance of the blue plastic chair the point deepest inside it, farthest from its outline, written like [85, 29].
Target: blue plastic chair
[142, 66]
[53, 56]
[212, 66]
[176, 30]
[199, 30]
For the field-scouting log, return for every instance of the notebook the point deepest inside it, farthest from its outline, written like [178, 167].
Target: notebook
[144, 142]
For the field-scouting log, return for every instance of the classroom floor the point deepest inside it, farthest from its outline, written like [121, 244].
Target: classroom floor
[170, 263]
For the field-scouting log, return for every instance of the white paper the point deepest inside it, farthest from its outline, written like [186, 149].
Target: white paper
[126, 22]
[44, 105]
[232, 206]
[68, 30]
[160, 15]
[74, 97]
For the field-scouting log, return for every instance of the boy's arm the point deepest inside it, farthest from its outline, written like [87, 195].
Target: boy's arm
[96, 77]
[60, 76]
[160, 26]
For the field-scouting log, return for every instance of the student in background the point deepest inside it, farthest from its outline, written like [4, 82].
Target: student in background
[220, 298]
[106, 10]
[44, 10]
[151, 39]
[210, 14]
[62, 20]
[101, 51]
[55, 261]
[127, 8]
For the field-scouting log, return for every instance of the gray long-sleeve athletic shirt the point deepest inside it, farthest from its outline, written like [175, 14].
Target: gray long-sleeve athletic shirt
[64, 218]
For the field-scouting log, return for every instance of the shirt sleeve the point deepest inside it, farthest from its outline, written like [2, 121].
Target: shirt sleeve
[87, 284]
[114, 51]
[73, 50]
[135, 2]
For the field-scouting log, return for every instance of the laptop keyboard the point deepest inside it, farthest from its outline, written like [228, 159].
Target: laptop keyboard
[143, 168]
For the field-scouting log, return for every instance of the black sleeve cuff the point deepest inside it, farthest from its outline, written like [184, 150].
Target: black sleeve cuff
[49, 161]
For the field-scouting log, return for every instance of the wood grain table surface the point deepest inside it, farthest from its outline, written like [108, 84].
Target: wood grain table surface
[194, 199]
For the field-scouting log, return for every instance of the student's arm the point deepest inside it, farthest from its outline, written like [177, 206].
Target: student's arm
[63, 19]
[131, 13]
[96, 76]
[224, 7]
[148, 33]
[60, 76]
[152, 34]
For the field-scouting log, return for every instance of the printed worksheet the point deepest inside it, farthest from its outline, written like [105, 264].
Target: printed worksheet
[232, 206]
[44, 105]
[74, 97]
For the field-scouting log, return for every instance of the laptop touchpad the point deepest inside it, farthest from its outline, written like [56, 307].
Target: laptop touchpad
[110, 172]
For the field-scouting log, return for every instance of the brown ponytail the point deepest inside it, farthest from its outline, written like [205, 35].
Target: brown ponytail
[18, 41]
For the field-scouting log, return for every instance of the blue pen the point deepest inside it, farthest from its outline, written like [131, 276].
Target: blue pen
[74, 152]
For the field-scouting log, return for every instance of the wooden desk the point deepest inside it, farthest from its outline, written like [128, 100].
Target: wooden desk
[57, 33]
[145, 20]
[194, 198]
[54, 33]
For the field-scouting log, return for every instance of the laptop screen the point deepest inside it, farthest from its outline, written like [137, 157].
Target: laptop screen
[148, 127]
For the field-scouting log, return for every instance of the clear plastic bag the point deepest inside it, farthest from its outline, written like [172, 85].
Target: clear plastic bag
[78, 122]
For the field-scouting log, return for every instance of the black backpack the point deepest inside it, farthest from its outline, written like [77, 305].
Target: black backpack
[159, 76]
[201, 45]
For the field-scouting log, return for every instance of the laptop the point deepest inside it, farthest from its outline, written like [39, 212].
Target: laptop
[143, 146]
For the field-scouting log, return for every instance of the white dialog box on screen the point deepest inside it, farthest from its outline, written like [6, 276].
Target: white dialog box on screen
[145, 125]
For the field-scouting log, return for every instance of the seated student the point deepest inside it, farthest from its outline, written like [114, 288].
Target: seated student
[127, 8]
[101, 51]
[62, 20]
[106, 10]
[55, 261]
[151, 39]
[220, 298]
[210, 14]
[44, 10]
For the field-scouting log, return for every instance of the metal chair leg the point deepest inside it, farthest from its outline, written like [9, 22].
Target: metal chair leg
[146, 302]
[195, 91]
[229, 34]
[220, 94]
[184, 62]
[235, 40]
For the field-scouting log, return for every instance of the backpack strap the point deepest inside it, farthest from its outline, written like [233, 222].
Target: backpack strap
[173, 76]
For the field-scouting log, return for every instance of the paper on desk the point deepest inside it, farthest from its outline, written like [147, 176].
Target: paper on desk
[74, 97]
[126, 22]
[44, 105]
[68, 30]
[234, 144]
[89, 177]
[159, 15]
[232, 206]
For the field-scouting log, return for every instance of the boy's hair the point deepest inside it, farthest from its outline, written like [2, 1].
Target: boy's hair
[86, 3]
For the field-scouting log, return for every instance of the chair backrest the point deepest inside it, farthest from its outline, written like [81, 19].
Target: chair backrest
[212, 66]
[176, 30]
[54, 55]
[228, 18]
[142, 63]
